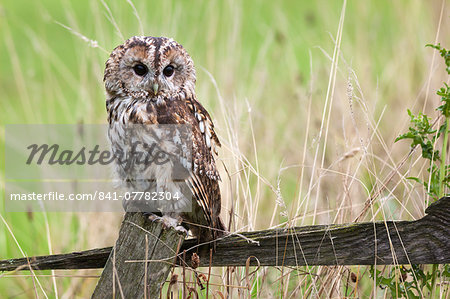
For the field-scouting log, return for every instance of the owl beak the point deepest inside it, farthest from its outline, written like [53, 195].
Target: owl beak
[155, 88]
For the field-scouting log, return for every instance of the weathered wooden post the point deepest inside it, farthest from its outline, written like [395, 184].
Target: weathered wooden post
[140, 261]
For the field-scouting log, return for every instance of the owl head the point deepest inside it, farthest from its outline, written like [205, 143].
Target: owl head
[146, 67]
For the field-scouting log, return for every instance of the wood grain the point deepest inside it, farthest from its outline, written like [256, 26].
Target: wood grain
[126, 274]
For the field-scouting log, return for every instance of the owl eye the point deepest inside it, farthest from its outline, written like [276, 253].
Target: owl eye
[140, 69]
[168, 70]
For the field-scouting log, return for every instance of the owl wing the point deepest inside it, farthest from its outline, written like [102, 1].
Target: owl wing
[204, 178]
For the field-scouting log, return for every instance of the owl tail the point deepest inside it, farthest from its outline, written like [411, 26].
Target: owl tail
[219, 229]
[215, 231]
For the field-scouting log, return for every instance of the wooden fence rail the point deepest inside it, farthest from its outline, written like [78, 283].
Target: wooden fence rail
[427, 241]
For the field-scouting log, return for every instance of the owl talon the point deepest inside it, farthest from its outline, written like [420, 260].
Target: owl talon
[148, 214]
[152, 217]
[181, 229]
[168, 222]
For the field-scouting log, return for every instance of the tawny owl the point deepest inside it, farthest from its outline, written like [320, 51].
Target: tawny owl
[151, 81]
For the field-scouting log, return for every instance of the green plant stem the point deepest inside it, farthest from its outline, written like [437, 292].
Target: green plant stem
[433, 279]
[444, 158]
[441, 189]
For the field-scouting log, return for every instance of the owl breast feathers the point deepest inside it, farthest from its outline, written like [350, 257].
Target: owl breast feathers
[151, 81]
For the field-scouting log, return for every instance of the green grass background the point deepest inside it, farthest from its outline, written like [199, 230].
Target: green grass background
[263, 70]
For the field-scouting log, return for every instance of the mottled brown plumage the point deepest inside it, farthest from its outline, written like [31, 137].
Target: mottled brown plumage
[151, 80]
